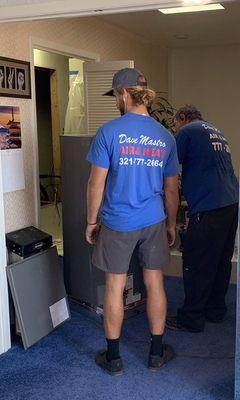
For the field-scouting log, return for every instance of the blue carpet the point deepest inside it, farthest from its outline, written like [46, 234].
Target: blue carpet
[61, 367]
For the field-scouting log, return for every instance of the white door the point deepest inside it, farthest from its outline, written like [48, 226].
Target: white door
[5, 341]
[98, 80]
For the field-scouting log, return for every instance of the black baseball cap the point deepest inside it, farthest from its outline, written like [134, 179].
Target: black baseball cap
[127, 77]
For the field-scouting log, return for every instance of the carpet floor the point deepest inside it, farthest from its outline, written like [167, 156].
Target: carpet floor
[61, 366]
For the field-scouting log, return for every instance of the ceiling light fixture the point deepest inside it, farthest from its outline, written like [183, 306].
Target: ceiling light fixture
[193, 8]
[181, 36]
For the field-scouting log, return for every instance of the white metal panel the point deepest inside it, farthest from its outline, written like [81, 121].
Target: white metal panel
[5, 342]
[98, 80]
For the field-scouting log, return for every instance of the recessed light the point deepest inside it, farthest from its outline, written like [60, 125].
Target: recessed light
[186, 9]
[180, 36]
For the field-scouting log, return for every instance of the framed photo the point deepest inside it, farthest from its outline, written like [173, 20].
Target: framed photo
[10, 128]
[15, 78]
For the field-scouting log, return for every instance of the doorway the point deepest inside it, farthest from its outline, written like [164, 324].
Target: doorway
[60, 110]
[49, 168]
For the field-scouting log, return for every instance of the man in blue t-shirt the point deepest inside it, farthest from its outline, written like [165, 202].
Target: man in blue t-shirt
[133, 159]
[211, 190]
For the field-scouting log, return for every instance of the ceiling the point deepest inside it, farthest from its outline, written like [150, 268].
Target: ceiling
[20, 10]
[195, 29]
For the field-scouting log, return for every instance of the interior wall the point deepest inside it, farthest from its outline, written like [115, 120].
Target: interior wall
[209, 78]
[89, 34]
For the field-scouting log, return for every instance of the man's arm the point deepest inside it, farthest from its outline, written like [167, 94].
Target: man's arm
[182, 140]
[95, 189]
[171, 205]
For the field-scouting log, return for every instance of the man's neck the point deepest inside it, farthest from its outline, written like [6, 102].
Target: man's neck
[142, 110]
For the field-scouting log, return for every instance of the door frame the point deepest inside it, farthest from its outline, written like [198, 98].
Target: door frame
[5, 336]
[51, 47]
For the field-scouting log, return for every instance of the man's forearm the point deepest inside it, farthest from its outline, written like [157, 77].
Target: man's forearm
[171, 206]
[94, 199]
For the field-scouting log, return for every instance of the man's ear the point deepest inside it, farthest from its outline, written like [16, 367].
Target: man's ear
[125, 95]
[182, 117]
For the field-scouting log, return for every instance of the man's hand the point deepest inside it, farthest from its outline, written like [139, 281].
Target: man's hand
[95, 189]
[171, 235]
[92, 232]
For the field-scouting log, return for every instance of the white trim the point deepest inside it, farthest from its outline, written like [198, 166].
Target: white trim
[76, 8]
[5, 338]
[52, 47]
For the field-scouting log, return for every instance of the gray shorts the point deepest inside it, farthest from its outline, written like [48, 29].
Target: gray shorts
[114, 249]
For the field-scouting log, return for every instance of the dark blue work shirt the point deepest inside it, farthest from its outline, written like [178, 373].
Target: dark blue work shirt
[208, 179]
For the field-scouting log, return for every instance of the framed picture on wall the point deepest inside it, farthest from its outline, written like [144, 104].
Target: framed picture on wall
[15, 78]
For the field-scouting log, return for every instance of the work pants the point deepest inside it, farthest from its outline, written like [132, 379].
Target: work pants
[207, 254]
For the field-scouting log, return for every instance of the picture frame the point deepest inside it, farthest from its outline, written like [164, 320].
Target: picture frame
[15, 80]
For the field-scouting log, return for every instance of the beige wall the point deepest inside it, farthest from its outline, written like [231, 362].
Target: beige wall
[209, 78]
[89, 34]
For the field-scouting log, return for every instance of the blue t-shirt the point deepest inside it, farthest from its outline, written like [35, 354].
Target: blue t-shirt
[138, 153]
[208, 180]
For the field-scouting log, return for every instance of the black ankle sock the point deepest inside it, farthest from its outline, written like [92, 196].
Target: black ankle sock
[112, 349]
[156, 345]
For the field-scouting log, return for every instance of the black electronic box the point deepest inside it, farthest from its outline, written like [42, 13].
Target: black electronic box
[28, 241]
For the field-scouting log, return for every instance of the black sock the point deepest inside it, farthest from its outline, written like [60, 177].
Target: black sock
[112, 349]
[156, 345]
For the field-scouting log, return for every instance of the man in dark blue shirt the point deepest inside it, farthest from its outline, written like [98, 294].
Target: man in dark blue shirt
[211, 190]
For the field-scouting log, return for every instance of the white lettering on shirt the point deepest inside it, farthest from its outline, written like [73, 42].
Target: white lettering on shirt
[127, 139]
[144, 140]
[217, 146]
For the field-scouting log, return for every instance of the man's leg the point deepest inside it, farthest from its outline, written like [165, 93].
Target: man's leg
[156, 310]
[156, 300]
[203, 251]
[113, 310]
[113, 305]
[154, 253]
[201, 255]
[112, 253]
[216, 309]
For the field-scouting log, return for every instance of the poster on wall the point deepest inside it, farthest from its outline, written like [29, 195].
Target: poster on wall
[15, 78]
[11, 149]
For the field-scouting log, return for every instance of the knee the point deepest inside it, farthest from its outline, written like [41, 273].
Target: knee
[115, 283]
[153, 279]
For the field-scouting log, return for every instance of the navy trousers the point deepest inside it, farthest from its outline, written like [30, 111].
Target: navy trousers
[207, 253]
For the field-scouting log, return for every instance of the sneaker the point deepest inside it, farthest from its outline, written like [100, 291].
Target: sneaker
[173, 324]
[155, 362]
[112, 367]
